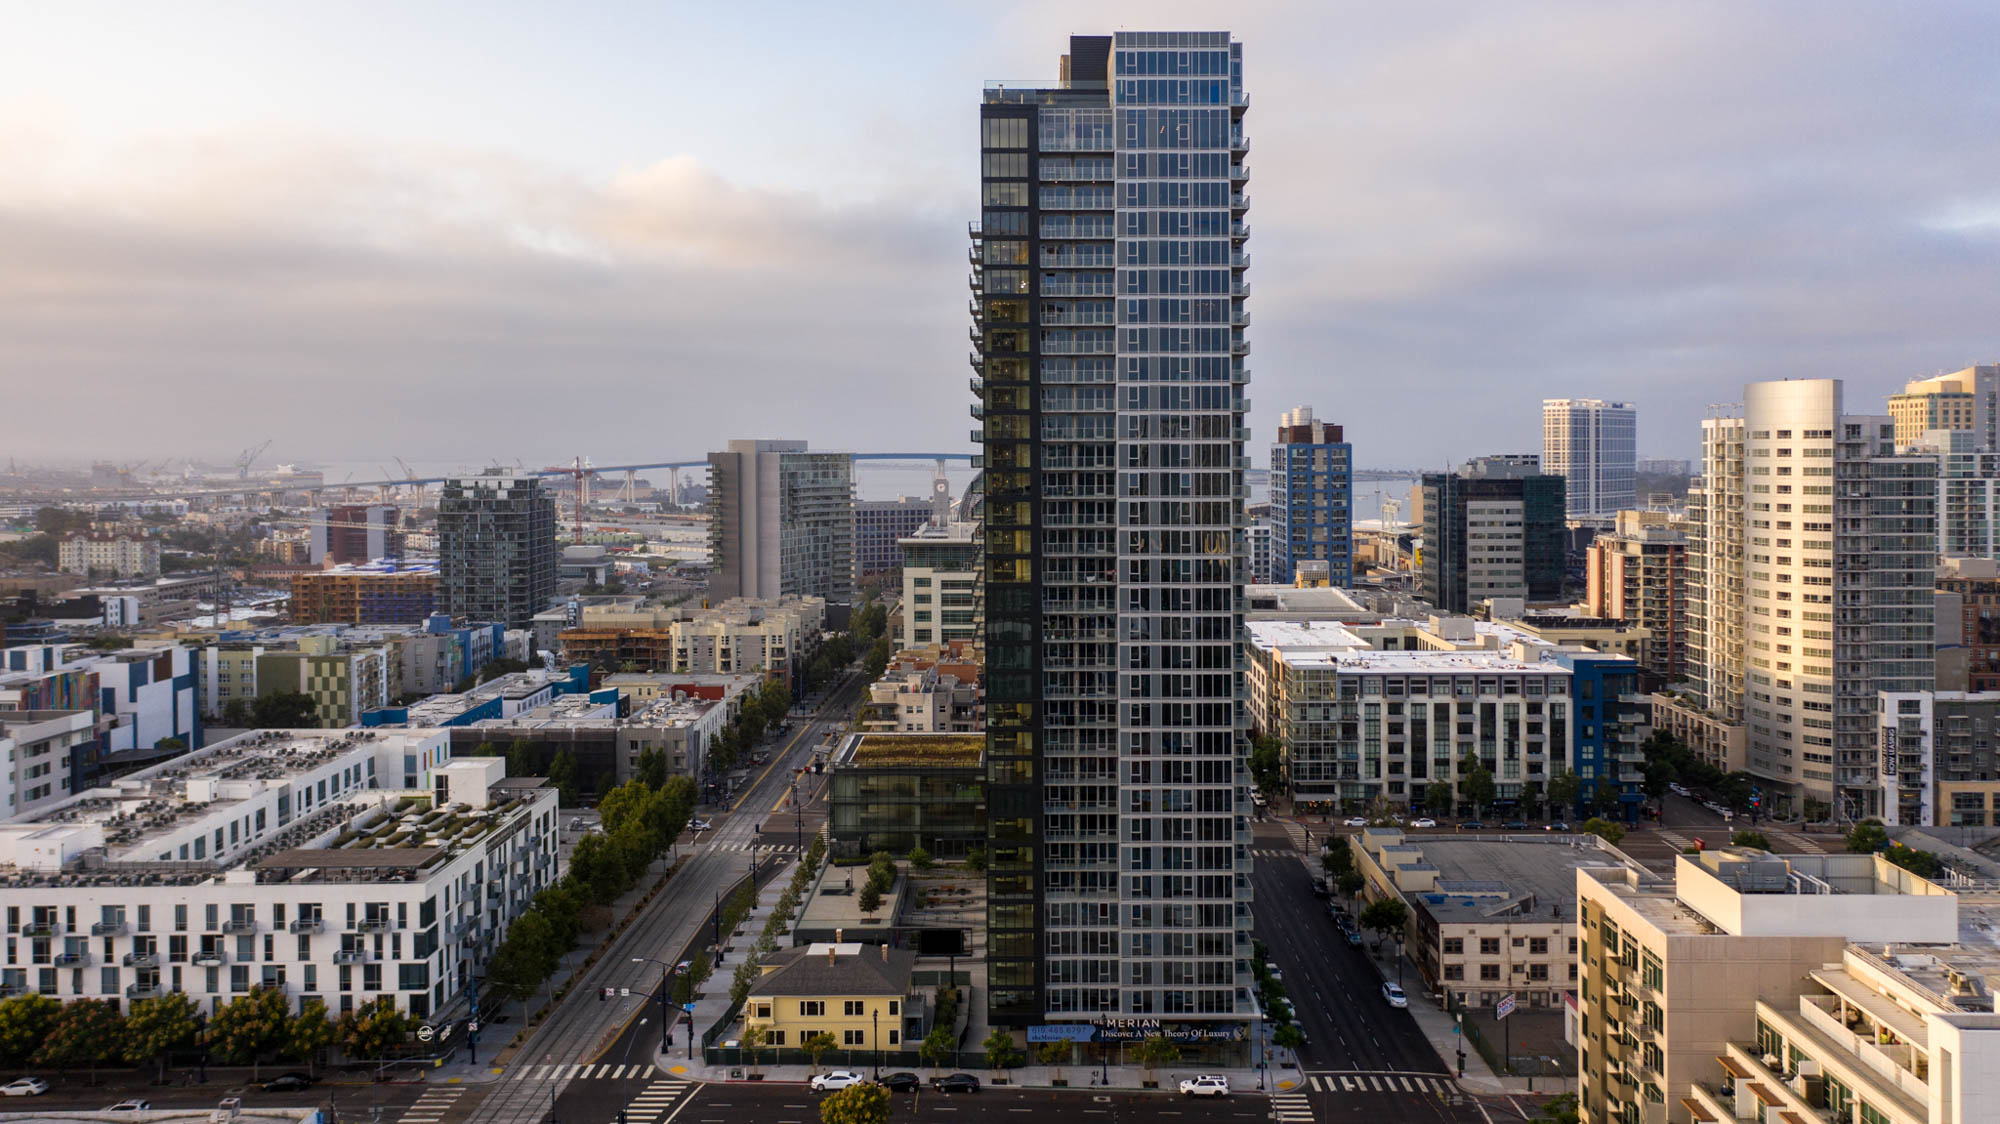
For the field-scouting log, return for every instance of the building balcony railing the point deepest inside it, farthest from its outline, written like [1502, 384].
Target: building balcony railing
[142, 960]
[351, 956]
[240, 925]
[108, 929]
[373, 925]
[41, 929]
[209, 958]
[71, 959]
[309, 925]
[142, 991]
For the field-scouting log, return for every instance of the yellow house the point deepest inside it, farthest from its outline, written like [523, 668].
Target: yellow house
[858, 993]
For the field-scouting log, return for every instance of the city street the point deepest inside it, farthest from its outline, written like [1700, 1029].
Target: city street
[1363, 1059]
[344, 1096]
[592, 1058]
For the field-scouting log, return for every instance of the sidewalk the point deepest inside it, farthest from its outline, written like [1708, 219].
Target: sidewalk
[1441, 1028]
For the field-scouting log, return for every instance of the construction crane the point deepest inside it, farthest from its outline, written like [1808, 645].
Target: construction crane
[579, 473]
[248, 458]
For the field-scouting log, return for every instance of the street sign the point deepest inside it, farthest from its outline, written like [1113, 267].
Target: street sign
[424, 1033]
[625, 993]
[472, 1028]
[444, 1032]
[1505, 1007]
[688, 1007]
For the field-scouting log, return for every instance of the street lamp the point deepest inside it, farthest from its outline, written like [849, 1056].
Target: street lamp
[667, 971]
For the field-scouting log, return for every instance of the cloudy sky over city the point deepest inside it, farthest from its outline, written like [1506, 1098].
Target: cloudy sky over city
[474, 231]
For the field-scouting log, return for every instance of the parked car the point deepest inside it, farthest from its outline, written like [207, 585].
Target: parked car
[1356, 821]
[1677, 788]
[702, 825]
[1205, 1085]
[1320, 888]
[834, 1080]
[956, 1083]
[1558, 825]
[1515, 825]
[1258, 799]
[1423, 821]
[900, 1082]
[288, 1083]
[131, 1106]
[1335, 910]
[1472, 825]
[1353, 935]
[25, 1087]
[1393, 992]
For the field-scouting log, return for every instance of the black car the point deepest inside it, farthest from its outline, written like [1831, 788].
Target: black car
[956, 1083]
[288, 1083]
[1515, 825]
[1472, 825]
[905, 1082]
[1556, 826]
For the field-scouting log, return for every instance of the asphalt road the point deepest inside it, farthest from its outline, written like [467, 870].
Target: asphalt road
[592, 1058]
[794, 1104]
[348, 1098]
[1363, 1059]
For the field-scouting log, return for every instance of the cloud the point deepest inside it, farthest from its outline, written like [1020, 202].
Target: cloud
[1458, 210]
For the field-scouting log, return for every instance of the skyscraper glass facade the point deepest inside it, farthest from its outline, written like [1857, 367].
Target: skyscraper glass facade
[1110, 353]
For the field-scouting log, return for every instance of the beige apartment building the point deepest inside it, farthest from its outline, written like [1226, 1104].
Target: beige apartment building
[1799, 989]
[1962, 400]
[1638, 573]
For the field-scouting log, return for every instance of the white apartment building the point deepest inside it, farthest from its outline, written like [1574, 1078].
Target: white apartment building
[1383, 712]
[743, 634]
[41, 750]
[941, 585]
[343, 866]
[1796, 989]
[1594, 445]
[1812, 550]
[109, 556]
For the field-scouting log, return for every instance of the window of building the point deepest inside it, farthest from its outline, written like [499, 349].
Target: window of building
[1454, 971]
[851, 1007]
[1489, 946]
[812, 1009]
[1538, 946]
[1454, 946]
[1489, 971]
[854, 1038]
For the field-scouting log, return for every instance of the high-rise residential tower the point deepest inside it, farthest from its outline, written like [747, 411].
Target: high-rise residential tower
[1494, 528]
[1812, 550]
[1967, 400]
[1107, 286]
[496, 548]
[1594, 446]
[781, 521]
[1312, 498]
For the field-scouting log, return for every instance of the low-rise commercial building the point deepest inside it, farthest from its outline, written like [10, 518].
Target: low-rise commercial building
[1489, 916]
[894, 792]
[739, 635]
[1782, 988]
[605, 743]
[341, 866]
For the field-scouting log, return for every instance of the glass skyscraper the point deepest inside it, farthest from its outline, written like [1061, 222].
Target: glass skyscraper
[1109, 313]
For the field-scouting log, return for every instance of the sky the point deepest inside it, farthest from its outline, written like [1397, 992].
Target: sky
[470, 232]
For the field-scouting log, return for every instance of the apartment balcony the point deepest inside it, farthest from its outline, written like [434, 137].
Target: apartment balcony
[308, 925]
[71, 960]
[209, 958]
[372, 925]
[142, 960]
[1239, 202]
[1239, 347]
[1241, 318]
[1238, 172]
[1239, 142]
[108, 929]
[1239, 260]
[143, 991]
[240, 925]
[351, 956]
[1239, 230]
[972, 230]
[41, 929]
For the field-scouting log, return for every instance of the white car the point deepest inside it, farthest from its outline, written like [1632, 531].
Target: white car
[835, 1080]
[25, 1087]
[131, 1106]
[1393, 992]
[1424, 822]
[1357, 821]
[1205, 1085]
[701, 825]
